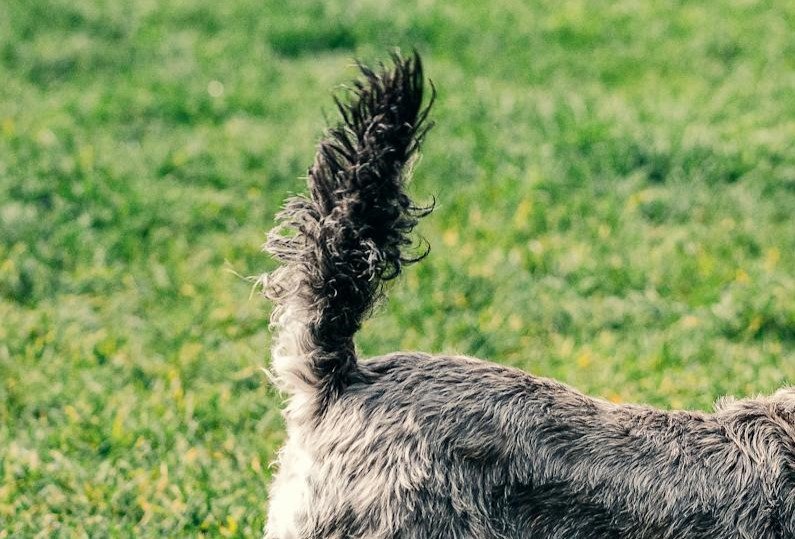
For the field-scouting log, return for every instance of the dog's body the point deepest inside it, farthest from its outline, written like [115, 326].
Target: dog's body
[416, 446]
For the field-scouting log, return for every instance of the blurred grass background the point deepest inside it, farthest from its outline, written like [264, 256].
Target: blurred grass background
[615, 184]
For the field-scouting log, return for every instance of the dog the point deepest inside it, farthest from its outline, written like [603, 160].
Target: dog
[411, 445]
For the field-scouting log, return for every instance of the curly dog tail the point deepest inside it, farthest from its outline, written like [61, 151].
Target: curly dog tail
[339, 245]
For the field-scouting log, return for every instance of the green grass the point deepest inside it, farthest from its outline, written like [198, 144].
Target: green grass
[615, 185]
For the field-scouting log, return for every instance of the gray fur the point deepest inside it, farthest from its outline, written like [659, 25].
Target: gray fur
[410, 445]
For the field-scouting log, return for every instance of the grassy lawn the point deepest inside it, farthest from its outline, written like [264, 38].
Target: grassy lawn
[616, 209]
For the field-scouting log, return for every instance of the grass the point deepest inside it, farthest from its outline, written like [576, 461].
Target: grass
[615, 185]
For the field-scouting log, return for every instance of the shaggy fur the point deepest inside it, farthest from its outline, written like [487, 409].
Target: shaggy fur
[410, 445]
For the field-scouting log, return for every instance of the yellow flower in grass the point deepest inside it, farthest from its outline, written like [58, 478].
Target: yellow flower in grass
[690, 321]
[515, 322]
[754, 324]
[230, 528]
[72, 413]
[584, 359]
[523, 211]
[191, 455]
[450, 237]
[8, 127]
[772, 257]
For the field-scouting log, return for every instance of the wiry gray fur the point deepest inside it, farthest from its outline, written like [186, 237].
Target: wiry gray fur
[341, 243]
[417, 446]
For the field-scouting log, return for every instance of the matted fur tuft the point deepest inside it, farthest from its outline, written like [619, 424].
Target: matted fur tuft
[340, 244]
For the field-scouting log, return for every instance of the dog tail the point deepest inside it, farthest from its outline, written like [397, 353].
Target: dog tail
[351, 234]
